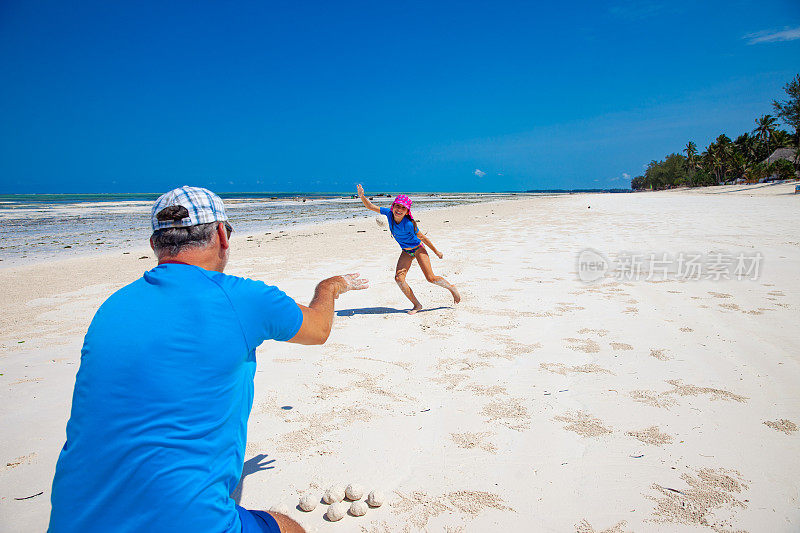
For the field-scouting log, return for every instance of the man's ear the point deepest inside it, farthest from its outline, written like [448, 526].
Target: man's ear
[223, 236]
[151, 245]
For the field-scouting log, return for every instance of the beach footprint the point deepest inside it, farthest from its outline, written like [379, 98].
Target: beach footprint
[585, 527]
[509, 412]
[582, 345]
[706, 498]
[784, 425]
[583, 423]
[651, 435]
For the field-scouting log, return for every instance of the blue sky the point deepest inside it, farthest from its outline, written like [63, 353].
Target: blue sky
[417, 96]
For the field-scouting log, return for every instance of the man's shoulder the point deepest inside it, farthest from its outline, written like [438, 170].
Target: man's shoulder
[129, 289]
[159, 279]
[195, 279]
[238, 287]
[232, 281]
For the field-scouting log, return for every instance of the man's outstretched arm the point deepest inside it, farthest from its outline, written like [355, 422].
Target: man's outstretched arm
[318, 316]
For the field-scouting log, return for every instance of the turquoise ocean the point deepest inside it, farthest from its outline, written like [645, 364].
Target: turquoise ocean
[40, 227]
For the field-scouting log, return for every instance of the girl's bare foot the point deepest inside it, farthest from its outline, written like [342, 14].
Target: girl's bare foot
[456, 295]
[450, 287]
[416, 308]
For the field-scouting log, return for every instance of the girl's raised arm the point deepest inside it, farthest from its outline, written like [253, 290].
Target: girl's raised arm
[429, 244]
[369, 205]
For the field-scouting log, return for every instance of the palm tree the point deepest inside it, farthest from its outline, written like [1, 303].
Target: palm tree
[765, 130]
[723, 154]
[691, 151]
[711, 161]
[739, 164]
[691, 160]
[782, 139]
[745, 144]
[789, 111]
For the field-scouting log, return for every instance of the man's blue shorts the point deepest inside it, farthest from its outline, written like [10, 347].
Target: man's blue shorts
[257, 521]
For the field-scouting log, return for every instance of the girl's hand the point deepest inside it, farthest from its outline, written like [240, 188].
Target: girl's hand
[439, 254]
[360, 190]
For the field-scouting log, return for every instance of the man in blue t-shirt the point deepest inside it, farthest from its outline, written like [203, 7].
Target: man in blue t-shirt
[157, 432]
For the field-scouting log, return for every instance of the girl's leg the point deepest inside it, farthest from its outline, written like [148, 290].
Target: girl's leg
[425, 264]
[403, 264]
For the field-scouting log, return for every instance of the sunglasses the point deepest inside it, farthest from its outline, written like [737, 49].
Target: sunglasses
[228, 228]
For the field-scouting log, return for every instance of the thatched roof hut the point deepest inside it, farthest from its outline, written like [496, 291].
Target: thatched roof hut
[782, 153]
[789, 154]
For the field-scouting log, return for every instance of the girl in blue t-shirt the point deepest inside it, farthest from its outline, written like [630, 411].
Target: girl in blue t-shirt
[405, 231]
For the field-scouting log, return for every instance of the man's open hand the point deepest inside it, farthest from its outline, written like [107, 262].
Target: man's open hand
[318, 316]
[351, 282]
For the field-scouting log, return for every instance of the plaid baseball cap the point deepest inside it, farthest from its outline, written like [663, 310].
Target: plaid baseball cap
[201, 207]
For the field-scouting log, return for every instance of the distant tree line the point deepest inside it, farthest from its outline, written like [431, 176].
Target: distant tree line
[724, 160]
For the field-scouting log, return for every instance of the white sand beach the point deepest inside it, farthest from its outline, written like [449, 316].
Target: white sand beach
[539, 403]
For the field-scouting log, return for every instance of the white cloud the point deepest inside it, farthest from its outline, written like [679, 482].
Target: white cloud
[626, 176]
[480, 173]
[773, 36]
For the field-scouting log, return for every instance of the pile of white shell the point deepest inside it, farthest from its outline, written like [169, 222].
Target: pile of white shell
[337, 497]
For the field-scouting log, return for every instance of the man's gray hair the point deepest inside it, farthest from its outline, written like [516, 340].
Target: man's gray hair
[172, 241]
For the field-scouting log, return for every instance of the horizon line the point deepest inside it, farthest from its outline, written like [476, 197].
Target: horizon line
[339, 193]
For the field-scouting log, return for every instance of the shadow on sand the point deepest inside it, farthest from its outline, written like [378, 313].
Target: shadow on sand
[251, 466]
[382, 311]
